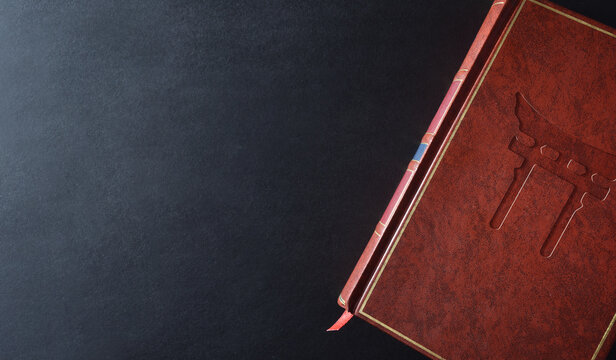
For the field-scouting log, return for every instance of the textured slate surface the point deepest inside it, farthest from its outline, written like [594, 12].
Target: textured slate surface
[186, 180]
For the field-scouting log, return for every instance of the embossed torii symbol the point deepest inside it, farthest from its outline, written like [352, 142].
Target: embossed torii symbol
[564, 156]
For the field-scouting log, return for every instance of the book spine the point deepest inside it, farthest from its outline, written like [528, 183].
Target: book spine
[350, 293]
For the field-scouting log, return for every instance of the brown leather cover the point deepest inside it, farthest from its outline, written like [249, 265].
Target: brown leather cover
[500, 241]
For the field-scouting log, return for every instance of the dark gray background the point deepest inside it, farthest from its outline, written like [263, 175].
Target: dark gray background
[186, 180]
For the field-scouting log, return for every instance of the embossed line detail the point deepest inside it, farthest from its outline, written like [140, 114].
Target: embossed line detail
[520, 177]
[549, 144]
[576, 167]
[549, 152]
[549, 137]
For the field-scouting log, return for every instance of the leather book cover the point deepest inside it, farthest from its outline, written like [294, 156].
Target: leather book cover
[500, 241]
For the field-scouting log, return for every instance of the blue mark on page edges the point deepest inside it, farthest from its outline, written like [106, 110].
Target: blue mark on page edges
[420, 151]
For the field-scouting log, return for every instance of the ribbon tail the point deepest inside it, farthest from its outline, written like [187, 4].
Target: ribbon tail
[344, 318]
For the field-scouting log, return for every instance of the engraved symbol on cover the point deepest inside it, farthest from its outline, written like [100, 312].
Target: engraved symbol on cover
[584, 166]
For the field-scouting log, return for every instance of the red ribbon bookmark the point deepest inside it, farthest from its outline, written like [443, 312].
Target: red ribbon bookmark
[344, 318]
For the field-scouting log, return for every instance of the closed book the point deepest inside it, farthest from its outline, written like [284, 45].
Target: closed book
[500, 241]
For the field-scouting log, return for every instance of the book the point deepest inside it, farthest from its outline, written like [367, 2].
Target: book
[500, 240]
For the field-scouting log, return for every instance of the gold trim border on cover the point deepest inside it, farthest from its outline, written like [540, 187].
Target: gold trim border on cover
[390, 251]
